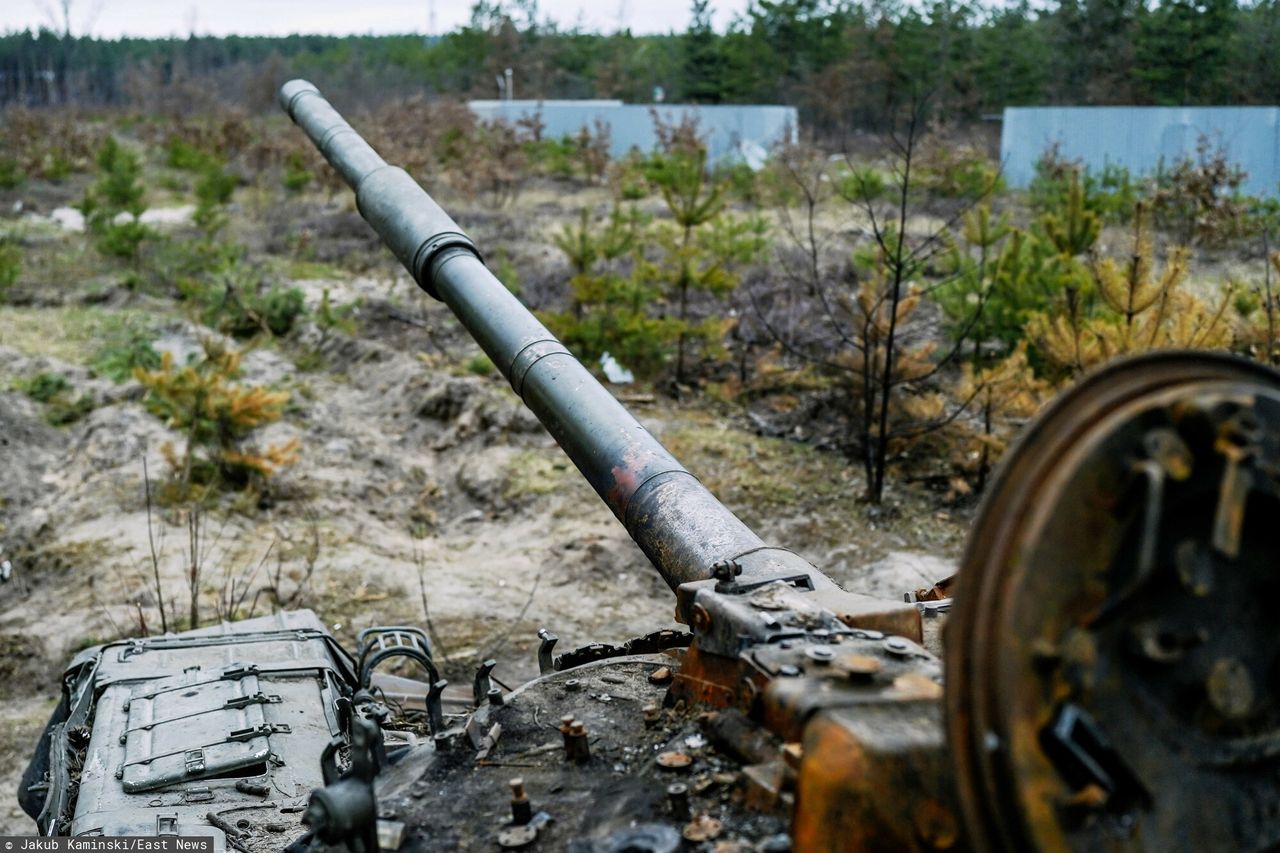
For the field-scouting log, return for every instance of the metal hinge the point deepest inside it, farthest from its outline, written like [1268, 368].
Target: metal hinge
[254, 699]
[238, 671]
[129, 651]
[259, 731]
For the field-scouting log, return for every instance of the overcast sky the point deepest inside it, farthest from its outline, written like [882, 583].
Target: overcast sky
[115, 18]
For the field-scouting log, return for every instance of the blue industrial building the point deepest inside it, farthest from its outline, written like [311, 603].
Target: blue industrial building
[1142, 139]
[742, 132]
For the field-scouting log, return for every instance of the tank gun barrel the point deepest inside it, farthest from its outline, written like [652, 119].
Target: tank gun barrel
[676, 521]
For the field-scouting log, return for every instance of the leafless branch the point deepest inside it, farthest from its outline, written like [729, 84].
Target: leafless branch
[419, 560]
[503, 637]
[156, 549]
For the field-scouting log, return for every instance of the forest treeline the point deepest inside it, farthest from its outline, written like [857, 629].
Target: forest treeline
[843, 63]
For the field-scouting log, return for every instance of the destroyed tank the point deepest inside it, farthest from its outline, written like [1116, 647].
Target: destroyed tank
[1109, 677]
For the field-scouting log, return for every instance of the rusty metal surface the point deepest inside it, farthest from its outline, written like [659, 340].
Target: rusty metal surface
[875, 778]
[1112, 657]
[457, 800]
[799, 681]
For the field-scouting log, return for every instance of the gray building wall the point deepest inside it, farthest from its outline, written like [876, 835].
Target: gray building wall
[722, 127]
[1140, 138]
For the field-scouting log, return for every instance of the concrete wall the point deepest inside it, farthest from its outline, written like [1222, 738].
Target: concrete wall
[1141, 138]
[724, 128]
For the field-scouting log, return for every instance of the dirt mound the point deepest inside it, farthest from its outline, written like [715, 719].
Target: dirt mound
[28, 446]
[330, 233]
[25, 666]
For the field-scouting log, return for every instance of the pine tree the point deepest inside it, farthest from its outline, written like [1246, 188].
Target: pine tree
[1004, 395]
[1075, 228]
[703, 64]
[218, 417]
[1138, 308]
[1183, 50]
[113, 206]
[701, 248]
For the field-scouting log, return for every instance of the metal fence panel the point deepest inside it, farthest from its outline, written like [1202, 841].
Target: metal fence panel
[1142, 139]
[725, 128]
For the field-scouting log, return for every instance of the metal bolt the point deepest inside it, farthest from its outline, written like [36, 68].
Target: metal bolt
[1230, 688]
[899, 646]
[1195, 568]
[820, 654]
[495, 696]
[933, 609]
[726, 570]
[566, 722]
[576, 746]
[521, 808]
[678, 800]
[652, 715]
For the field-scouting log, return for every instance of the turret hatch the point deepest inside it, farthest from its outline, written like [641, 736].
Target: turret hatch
[197, 725]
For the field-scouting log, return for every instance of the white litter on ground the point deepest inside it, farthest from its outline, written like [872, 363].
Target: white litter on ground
[615, 372]
[71, 219]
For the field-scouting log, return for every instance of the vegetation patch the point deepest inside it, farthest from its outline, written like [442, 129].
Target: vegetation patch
[757, 471]
[62, 405]
[126, 347]
[534, 472]
[74, 333]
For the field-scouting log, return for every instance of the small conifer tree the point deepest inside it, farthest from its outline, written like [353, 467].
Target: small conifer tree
[113, 206]
[701, 249]
[1074, 228]
[1137, 308]
[1004, 396]
[218, 417]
